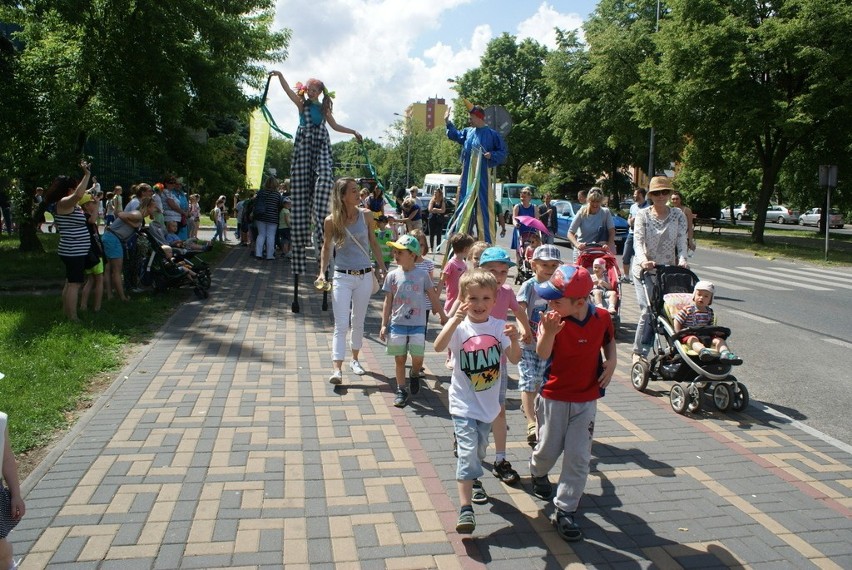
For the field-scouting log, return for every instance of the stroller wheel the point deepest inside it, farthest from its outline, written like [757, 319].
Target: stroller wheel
[739, 396]
[722, 397]
[639, 375]
[199, 292]
[679, 399]
[694, 394]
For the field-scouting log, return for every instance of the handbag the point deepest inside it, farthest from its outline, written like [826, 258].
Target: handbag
[376, 286]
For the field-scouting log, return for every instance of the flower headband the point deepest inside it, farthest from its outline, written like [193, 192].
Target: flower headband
[301, 89]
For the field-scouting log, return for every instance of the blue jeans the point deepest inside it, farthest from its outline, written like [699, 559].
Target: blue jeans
[472, 438]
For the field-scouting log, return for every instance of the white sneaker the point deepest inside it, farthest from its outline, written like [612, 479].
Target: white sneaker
[356, 368]
[336, 377]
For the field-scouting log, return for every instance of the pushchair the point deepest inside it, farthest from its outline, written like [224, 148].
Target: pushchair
[673, 360]
[163, 274]
[525, 270]
[587, 259]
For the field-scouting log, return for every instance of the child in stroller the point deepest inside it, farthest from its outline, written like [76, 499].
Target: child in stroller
[699, 314]
[603, 267]
[672, 356]
[527, 243]
[171, 268]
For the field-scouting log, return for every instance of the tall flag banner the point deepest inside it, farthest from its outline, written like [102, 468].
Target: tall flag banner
[256, 154]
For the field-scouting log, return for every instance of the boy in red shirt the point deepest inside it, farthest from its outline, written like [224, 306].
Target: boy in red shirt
[579, 342]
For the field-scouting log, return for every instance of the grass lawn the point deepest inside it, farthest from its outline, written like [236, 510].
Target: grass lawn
[51, 364]
[796, 244]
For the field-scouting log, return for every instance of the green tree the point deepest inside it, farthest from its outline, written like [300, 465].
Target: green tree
[151, 78]
[776, 75]
[510, 75]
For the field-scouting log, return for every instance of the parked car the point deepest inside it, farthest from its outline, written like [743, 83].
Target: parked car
[741, 212]
[565, 211]
[812, 218]
[423, 202]
[781, 214]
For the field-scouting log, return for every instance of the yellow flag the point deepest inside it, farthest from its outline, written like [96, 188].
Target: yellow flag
[256, 154]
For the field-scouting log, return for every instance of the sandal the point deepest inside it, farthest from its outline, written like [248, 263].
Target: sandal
[565, 526]
[730, 358]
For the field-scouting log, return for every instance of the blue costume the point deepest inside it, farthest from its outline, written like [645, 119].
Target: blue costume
[475, 169]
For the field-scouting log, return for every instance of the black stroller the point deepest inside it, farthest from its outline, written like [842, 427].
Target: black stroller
[671, 359]
[163, 274]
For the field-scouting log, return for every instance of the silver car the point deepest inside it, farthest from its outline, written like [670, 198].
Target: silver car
[812, 218]
[781, 214]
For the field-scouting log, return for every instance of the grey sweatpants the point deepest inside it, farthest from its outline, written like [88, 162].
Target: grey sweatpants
[565, 428]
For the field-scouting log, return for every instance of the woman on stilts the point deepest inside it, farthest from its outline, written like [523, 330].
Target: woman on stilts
[311, 176]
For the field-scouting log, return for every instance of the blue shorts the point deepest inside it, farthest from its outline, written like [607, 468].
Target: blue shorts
[113, 248]
[531, 369]
[406, 339]
[472, 439]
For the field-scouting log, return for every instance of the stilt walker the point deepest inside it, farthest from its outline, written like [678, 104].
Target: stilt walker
[311, 177]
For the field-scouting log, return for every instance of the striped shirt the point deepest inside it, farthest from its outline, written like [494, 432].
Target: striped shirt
[73, 233]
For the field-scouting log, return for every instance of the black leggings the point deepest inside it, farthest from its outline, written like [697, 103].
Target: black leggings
[436, 230]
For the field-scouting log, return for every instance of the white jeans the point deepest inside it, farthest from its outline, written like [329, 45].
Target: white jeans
[265, 235]
[350, 297]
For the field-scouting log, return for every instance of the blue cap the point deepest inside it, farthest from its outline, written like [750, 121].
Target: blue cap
[495, 254]
[568, 281]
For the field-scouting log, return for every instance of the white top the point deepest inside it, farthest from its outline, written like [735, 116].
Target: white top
[477, 349]
[662, 240]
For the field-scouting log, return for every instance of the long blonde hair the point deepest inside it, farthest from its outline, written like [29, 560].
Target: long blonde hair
[339, 215]
[595, 195]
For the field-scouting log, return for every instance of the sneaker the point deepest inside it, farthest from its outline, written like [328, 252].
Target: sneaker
[467, 522]
[707, 355]
[356, 368]
[480, 497]
[505, 473]
[336, 377]
[730, 358]
[414, 384]
[542, 487]
[565, 526]
[626, 279]
[401, 398]
[532, 435]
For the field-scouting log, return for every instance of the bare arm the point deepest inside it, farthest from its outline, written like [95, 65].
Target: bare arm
[340, 128]
[386, 315]
[442, 341]
[325, 254]
[551, 324]
[294, 97]
[67, 203]
[610, 360]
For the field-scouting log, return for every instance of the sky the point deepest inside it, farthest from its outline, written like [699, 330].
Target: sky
[379, 56]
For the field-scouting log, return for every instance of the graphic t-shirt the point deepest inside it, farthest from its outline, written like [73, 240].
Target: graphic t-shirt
[409, 296]
[536, 306]
[477, 349]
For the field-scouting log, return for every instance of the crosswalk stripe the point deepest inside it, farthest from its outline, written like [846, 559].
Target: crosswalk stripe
[827, 272]
[757, 318]
[799, 273]
[770, 279]
[838, 342]
[763, 285]
[730, 286]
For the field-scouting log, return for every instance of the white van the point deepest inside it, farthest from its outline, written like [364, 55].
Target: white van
[447, 183]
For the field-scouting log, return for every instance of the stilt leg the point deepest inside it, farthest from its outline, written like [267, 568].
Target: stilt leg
[295, 306]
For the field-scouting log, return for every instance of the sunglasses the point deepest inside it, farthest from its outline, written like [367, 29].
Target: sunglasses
[660, 193]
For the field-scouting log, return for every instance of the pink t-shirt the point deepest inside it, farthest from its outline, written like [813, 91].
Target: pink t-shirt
[505, 300]
[452, 274]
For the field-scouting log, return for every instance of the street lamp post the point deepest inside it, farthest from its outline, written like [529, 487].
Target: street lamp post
[408, 152]
[652, 145]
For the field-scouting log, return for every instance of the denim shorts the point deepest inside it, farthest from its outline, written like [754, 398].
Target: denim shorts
[531, 369]
[112, 246]
[472, 439]
[403, 339]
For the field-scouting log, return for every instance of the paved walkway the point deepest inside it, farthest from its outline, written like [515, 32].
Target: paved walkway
[223, 445]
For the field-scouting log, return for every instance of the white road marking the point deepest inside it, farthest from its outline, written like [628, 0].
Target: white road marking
[764, 285]
[740, 273]
[759, 319]
[838, 342]
[843, 281]
[732, 286]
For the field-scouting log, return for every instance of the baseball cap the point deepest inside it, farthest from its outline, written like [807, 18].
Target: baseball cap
[599, 261]
[406, 242]
[85, 199]
[567, 281]
[547, 252]
[495, 254]
[705, 286]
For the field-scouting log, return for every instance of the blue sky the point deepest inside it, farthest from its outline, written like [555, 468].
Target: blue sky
[381, 55]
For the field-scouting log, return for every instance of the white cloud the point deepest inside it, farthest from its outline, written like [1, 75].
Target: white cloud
[366, 52]
[540, 26]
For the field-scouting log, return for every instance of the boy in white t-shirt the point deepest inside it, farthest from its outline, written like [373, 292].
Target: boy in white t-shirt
[477, 342]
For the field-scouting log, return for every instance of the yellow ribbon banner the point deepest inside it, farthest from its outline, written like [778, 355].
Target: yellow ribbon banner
[256, 154]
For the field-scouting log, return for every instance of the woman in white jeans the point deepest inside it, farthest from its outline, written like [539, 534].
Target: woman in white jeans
[349, 230]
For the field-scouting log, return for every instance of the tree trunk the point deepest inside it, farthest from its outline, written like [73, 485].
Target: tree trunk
[27, 229]
[767, 186]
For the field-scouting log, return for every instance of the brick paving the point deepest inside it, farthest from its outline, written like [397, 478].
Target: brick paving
[222, 445]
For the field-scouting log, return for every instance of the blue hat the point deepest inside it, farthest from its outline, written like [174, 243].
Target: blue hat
[567, 281]
[495, 254]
